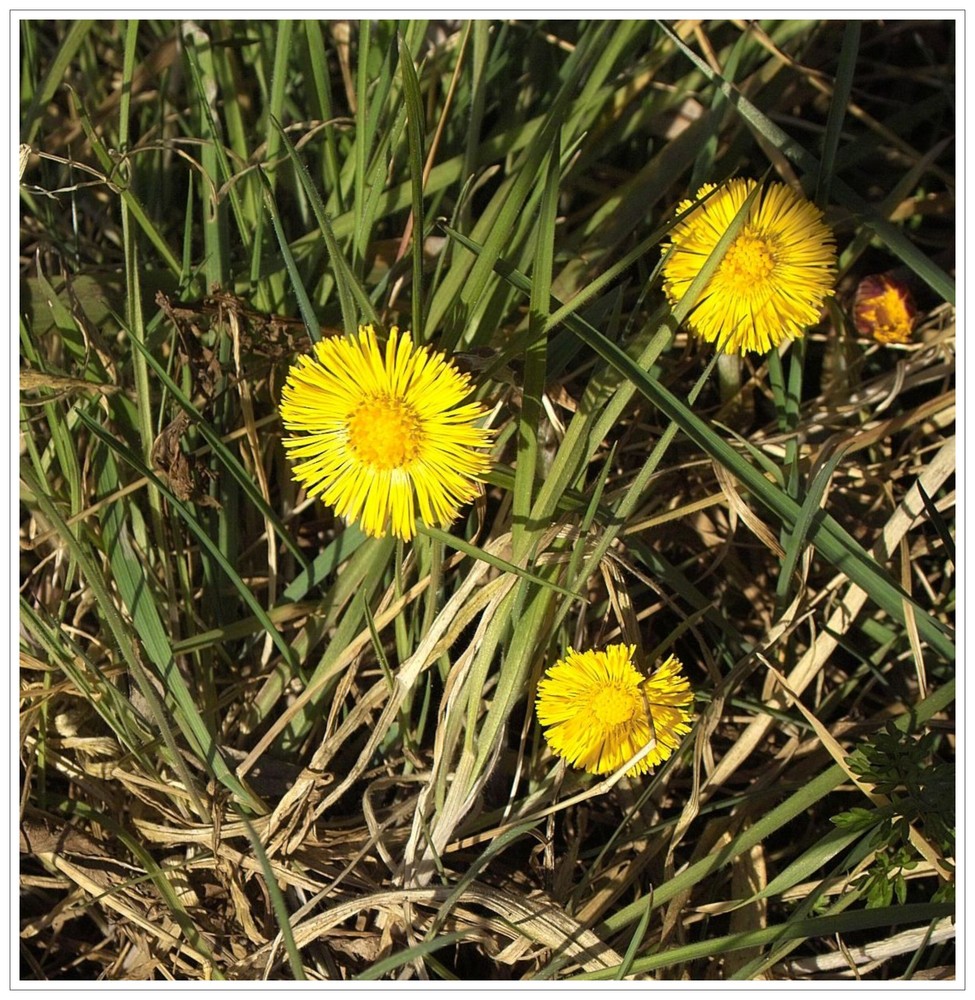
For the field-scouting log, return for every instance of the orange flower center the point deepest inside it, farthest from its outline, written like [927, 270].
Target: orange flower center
[385, 433]
[750, 258]
[613, 705]
[890, 312]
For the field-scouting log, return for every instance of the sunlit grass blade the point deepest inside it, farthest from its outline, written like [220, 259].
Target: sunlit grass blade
[325, 563]
[502, 564]
[414, 132]
[134, 205]
[205, 63]
[373, 560]
[110, 703]
[317, 61]
[810, 928]
[536, 352]
[277, 902]
[158, 874]
[355, 303]
[939, 522]
[795, 542]
[410, 955]
[312, 324]
[468, 285]
[136, 592]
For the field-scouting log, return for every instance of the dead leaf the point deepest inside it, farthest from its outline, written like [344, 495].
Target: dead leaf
[181, 471]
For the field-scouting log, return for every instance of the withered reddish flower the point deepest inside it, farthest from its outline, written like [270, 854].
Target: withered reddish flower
[883, 309]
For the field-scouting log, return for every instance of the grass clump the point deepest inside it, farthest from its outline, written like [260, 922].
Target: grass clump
[258, 742]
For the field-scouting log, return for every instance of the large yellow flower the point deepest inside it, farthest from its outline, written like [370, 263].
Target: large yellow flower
[380, 431]
[774, 277]
[602, 710]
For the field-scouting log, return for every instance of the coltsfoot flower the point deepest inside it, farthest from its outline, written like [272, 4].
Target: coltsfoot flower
[884, 309]
[378, 432]
[773, 279]
[601, 710]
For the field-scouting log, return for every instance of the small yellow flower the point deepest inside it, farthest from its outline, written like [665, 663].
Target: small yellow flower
[773, 279]
[884, 309]
[380, 431]
[601, 710]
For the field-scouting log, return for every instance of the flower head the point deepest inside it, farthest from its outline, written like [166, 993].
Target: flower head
[774, 277]
[601, 710]
[380, 431]
[883, 309]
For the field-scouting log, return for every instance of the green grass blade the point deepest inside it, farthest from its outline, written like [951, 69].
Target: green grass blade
[134, 205]
[837, 110]
[55, 76]
[462, 545]
[940, 524]
[308, 316]
[111, 704]
[408, 955]
[795, 542]
[353, 299]
[277, 902]
[414, 133]
[283, 30]
[317, 62]
[535, 361]
[135, 589]
[811, 928]
[495, 226]
[801, 800]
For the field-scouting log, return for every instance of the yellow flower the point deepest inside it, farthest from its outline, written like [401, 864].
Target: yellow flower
[380, 431]
[774, 277]
[602, 710]
[884, 309]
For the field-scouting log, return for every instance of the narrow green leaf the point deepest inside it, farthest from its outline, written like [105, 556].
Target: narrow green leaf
[462, 545]
[55, 76]
[408, 955]
[354, 301]
[805, 798]
[536, 352]
[846, 68]
[414, 133]
[813, 928]
[110, 165]
[940, 524]
[312, 325]
[278, 904]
